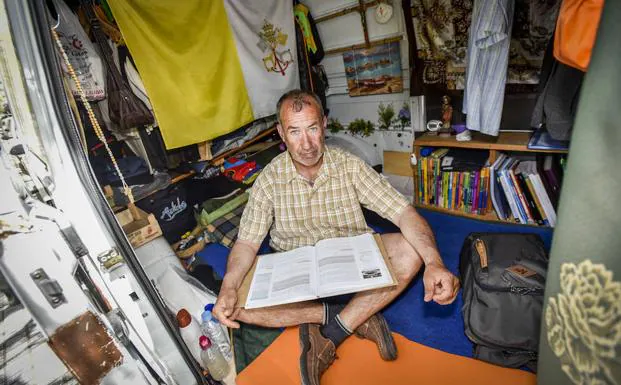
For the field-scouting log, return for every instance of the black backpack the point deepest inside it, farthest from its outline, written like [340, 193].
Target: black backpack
[503, 278]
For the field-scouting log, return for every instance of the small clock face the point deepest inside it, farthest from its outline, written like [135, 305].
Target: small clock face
[383, 13]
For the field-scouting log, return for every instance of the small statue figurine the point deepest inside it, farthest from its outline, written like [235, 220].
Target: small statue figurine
[447, 113]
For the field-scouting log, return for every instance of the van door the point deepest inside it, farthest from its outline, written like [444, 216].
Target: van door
[58, 237]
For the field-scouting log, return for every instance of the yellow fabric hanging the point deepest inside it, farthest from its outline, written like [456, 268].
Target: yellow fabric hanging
[189, 66]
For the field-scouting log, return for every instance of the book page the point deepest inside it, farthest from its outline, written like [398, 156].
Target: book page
[347, 265]
[283, 278]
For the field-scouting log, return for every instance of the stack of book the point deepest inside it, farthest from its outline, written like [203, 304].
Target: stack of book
[454, 179]
[526, 189]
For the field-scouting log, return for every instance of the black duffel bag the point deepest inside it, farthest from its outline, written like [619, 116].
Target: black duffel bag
[503, 278]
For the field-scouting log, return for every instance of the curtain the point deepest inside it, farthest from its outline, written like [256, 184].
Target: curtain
[581, 330]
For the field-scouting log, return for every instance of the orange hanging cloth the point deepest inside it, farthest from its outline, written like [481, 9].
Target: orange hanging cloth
[576, 29]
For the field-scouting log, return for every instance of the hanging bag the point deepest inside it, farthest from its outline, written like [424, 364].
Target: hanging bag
[81, 53]
[576, 29]
[125, 108]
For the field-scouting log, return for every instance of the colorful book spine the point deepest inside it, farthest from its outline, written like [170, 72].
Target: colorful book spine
[486, 190]
[454, 188]
[520, 195]
[462, 192]
[460, 198]
[521, 215]
[471, 191]
[467, 192]
[506, 188]
[447, 198]
[445, 190]
[475, 192]
[544, 198]
[533, 192]
[457, 191]
[424, 161]
[419, 175]
[480, 191]
[438, 182]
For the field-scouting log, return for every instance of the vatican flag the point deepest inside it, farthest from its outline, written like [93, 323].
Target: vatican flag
[210, 67]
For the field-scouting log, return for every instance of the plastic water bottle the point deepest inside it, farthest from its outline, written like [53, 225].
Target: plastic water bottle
[212, 359]
[212, 328]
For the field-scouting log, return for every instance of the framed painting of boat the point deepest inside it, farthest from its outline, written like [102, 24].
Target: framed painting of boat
[375, 70]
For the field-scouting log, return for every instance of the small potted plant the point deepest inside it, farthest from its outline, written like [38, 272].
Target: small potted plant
[361, 127]
[386, 116]
[335, 126]
[404, 116]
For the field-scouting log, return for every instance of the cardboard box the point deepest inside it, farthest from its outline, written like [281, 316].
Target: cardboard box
[140, 228]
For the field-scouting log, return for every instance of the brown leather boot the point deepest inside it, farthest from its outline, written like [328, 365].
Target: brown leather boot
[376, 329]
[318, 353]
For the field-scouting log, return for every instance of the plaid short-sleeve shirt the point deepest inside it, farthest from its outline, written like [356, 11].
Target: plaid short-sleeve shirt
[298, 214]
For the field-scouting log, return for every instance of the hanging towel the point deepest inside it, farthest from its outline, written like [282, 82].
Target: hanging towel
[210, 67]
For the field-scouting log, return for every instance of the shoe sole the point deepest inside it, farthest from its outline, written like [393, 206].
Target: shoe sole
[305, 347]
[391, 348]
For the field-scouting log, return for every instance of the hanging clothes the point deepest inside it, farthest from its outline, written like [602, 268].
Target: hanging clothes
[213, 67]
[310, 53]
[440, 41]
[557, 102]
[312, 41]
[488, 57]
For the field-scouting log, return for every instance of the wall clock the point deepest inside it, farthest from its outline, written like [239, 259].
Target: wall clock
[383, 12]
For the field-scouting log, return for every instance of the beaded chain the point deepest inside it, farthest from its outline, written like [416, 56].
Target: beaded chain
[91, 116]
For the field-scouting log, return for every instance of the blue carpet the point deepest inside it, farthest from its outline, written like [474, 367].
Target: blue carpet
[434, 325]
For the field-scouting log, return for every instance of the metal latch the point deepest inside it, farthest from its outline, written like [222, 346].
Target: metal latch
[110, 259]
[51, 289]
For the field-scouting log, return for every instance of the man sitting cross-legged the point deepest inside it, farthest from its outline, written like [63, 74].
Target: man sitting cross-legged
[313, 192]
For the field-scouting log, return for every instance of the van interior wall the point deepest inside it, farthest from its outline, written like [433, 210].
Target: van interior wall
[346, 31]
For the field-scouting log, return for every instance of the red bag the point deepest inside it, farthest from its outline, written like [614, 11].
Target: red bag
[576, 29]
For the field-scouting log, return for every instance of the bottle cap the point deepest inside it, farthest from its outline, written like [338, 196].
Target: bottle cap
[209, 307]
[183, 318]
[204, 342]
[206, 316]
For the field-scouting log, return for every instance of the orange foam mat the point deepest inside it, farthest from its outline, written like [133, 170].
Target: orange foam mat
[359, 363]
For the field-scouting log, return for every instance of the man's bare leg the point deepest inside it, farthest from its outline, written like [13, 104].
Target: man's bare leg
[284, 315]
[405, 263]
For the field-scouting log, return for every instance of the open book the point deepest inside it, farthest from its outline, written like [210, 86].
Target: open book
[332, 267]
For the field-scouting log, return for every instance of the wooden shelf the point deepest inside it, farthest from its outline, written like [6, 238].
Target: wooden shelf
[175, 178]
[505, 141]
[489, 216]
[180, 177]
[216, 161]
[219, 159]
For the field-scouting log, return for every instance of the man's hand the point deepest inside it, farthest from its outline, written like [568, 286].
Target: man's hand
[440, 284]
[224, 309]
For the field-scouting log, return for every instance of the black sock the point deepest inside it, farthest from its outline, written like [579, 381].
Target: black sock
[331, 310]
[335, 331]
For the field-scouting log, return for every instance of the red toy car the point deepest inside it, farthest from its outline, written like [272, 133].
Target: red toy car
[239, 172]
